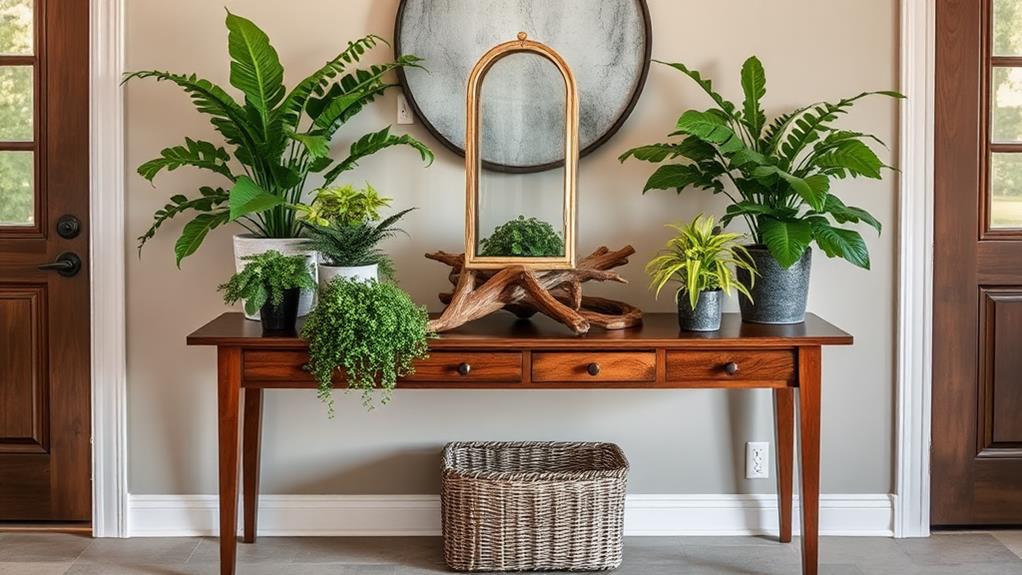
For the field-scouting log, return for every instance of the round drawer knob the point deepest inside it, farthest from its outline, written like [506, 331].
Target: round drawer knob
[464, 369]
[593, 369]
[731, 368]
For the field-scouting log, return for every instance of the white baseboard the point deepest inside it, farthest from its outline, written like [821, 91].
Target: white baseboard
[350, 515]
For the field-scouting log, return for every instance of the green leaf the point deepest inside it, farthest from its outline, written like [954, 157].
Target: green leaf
[813, 190]
[680, 176]
[844, 214]
[246, 197]
[255, 66]
[840, 243]
[854, 156]
[692, 148]
[710, 128]
[372, 143]
[209, 200]
[754, 86]
[196, 231]
[317, 146]
[787, 240]
[706, 84]
[198, 154]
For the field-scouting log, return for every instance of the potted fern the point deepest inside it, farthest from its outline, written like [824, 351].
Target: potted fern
[704, 261]
[523, 237]
[275, 140]
[270, 283]
[778, 177]
[344, 228]
[373, 331]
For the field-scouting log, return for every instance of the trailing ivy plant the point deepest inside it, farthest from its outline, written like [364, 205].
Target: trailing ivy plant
[277, 138]
[701, 258]
[266, 277]
[780, 172]
[371, 330]
[521, 237]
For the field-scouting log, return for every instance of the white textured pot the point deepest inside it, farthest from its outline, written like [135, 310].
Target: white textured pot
[250, 245]
[356, 273]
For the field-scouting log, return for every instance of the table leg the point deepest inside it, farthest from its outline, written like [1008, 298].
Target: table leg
[784, 421]
[809, 455]
[251, 444]
[228, 396]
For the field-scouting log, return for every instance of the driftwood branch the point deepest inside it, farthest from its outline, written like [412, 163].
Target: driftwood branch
[524, 292]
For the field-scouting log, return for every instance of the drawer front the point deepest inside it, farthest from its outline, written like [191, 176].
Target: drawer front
[593, 367]
[768, 365]
[440, 366]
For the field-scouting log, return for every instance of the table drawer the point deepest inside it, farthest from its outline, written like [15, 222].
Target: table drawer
[746, 365]
[593, 367]
[440, 366]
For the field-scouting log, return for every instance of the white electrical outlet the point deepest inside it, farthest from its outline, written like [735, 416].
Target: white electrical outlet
[404, 111]
[757, 460]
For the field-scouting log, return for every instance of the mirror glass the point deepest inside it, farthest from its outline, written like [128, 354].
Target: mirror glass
[521, 105]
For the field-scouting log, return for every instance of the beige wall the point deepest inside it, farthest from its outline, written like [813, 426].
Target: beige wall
[678, 441]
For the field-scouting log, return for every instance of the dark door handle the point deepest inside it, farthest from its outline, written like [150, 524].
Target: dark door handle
[731, 368]
[464, 369]
[67, 264]
[593, 369]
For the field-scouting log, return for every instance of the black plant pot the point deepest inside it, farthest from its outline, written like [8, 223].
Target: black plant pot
[281, 318]
[779, 295]
[706, 315]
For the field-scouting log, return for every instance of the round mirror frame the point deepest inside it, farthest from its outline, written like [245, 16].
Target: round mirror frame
[473, 163]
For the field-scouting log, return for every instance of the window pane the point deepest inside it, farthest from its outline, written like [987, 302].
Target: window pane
[16, 26]
[16, 110]
[17, 189]
[1006, 191]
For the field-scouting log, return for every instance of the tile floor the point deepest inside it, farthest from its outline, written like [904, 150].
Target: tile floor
[971, 553]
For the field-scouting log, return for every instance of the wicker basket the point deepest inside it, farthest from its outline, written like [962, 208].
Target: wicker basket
[533, 506]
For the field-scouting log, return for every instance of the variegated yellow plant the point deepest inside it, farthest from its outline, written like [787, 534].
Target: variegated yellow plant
[701, 258]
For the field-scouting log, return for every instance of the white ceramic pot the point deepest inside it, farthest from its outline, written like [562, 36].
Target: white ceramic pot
[249, 245]
[356, 273]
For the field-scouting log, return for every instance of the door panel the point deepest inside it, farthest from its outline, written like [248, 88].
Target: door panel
[977, 337]
[45, 451]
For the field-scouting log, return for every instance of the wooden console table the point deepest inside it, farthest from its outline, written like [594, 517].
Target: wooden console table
[500, 353]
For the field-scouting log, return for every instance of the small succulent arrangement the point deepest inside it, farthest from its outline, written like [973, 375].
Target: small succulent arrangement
[777, 174]
[373, 331]
[270, 283]
[344, 225]
[523, 237]
[704, 261]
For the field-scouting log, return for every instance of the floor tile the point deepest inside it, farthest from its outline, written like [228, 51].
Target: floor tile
[266, 550]
[46, 547]
[37, 568]
[149, 551]
[944, 549]
[1010, 539]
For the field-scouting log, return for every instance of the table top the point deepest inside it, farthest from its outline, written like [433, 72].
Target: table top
[503, 330]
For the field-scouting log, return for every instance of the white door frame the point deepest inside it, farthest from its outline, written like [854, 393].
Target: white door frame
[108, 252]
[106, 257]
[915, 271]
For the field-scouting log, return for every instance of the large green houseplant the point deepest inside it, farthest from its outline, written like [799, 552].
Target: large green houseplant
[778, 176]
[275, 139]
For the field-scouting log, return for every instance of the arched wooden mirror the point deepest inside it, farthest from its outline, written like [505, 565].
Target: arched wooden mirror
[515, 219]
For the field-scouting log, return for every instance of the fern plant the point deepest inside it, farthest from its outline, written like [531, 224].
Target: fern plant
[265, 278]
[371, 330]
[521, 237]
[780, 173]
[701, 258]
[277, 138]
[352, 245]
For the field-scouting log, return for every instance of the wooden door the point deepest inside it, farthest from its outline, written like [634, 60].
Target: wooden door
[45, 455]
[977, 363]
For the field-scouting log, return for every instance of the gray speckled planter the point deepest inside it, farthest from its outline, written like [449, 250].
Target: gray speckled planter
[779, 296]
[706, 315]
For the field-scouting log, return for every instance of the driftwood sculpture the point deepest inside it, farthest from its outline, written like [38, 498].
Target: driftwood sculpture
[524, 292]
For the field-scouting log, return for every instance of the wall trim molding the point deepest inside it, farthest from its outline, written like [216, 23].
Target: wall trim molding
[106, 270]
[915, 271]
[393, 515]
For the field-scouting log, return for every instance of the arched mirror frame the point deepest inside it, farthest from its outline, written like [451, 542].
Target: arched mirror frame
[473, 165]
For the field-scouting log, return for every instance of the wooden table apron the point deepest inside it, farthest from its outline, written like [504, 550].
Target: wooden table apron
[500, 353]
